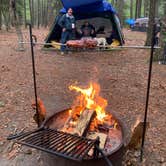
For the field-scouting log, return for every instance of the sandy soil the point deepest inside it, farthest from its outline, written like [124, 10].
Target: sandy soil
[121, 74]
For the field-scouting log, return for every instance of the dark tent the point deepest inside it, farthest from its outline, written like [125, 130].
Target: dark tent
[100, 12]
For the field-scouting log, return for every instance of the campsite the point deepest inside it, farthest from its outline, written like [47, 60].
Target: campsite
[120, 75]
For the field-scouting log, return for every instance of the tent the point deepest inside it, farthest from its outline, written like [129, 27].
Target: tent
[88, 9]
[130, 21]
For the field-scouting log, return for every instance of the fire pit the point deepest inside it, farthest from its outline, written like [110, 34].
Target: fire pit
[114, 146]
[86, 132]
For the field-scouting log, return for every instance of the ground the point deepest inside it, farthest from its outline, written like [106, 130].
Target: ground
[121, 74]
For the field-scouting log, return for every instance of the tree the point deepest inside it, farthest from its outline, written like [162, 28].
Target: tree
[162, 52]
[131, 8]
[25, 18]
[0, 18]
[146, 8]
[151, 22]
[16, 24]
[138, 8]
[5, 14]
[120, 8]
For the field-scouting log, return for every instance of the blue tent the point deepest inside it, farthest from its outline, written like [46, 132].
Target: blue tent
[77, 3]
[130, 21]
[85, 9]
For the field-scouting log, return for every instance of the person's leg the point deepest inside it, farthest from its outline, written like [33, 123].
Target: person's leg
[69, 37]
[63, 40]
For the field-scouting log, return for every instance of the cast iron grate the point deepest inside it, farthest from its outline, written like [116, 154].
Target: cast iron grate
[56, 142]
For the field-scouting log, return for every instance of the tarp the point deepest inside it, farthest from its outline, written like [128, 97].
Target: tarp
[130, 21]
[76, 3]
[88, 9]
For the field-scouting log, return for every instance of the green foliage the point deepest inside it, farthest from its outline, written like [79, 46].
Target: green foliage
[19, 7]
[55, 5]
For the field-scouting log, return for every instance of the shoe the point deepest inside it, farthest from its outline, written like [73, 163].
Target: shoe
[69, 52]
[62, 53]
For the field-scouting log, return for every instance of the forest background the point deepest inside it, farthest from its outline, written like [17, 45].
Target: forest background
[42, 13]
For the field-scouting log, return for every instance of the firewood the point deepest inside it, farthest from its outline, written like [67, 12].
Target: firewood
[84, 121]
[80, 125]
[135, 142]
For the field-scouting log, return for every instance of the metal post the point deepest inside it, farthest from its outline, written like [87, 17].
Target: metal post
[96, 152]
[34, 72]
[148, 91]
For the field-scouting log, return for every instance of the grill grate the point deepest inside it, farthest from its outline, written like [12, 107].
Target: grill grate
[57, 143]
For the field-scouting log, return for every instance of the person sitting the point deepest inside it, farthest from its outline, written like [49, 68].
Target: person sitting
[87, 30]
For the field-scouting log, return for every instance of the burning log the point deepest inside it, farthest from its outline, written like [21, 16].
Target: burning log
[84, 121]
[79, 127]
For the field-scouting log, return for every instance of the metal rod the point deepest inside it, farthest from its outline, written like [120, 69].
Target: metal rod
[107, 46]
[104, 156]
[21, 135]
[34, 72]
[41, 43]
[96, 152]
[148, 91]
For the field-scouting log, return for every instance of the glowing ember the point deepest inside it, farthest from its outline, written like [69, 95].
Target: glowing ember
[90, 99]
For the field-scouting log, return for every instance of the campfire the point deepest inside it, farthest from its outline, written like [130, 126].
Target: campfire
[85, 132]
[88, 117]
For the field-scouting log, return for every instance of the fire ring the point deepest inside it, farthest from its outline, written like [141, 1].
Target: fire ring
[115, 154]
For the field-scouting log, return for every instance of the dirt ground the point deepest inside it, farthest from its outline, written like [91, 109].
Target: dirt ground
[121, 74]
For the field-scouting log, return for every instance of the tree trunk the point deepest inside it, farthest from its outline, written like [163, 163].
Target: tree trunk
[46, 14]
[5, 14]
[139, 8]
[131, 9]
[161, 54]
[25, 16]
[33, 14]
[16, 24]
[157, 8]
[30, 10]
[113, 2]
[136, 9]
[50, 12]
[42, 13]
[151, 22]
[38, 13]
[120, 8]
[0, 18]
[146, 8]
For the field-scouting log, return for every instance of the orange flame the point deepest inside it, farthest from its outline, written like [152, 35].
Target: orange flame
[90, 99]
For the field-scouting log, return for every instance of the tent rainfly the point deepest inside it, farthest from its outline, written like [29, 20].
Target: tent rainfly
[98, 12]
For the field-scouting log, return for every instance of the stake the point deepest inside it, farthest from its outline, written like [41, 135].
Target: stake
[34, 72]
[148, 91]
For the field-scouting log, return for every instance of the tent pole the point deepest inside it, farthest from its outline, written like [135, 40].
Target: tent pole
[34, 72]
[148, 91]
